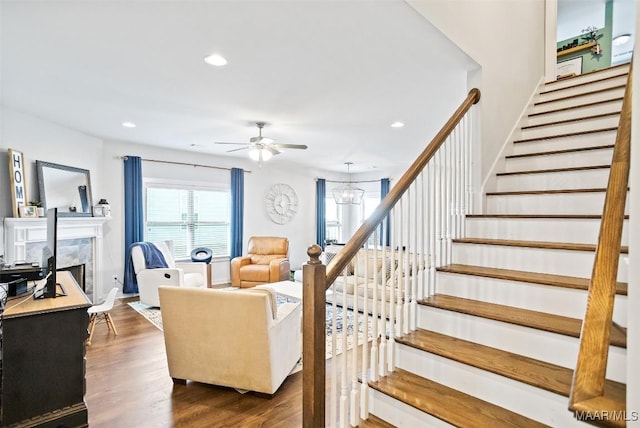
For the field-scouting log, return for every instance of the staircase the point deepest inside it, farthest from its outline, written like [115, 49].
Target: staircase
[497, 344]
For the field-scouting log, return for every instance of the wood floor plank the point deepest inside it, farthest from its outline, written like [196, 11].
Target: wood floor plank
[534, 244]
[530, 277]
[447, 404]
[523, 317]
[540, 374]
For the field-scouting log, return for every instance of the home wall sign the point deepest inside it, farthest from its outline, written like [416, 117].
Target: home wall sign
[281, 203]
[18, 187]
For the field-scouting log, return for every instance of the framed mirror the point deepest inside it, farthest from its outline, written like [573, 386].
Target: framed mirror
[64, 187]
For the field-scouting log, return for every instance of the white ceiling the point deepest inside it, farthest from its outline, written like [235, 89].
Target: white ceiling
[330, 74]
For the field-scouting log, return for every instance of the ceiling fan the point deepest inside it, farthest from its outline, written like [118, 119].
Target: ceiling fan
[262, 148]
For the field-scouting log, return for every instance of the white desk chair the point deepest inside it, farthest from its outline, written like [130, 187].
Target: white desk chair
[96, 311]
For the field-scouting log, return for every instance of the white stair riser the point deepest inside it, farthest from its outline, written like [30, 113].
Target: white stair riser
[574, 113]
[567, 302]
[582, 99]
[400, 414]
[567, 128]
[585, 78]
[591, 179]
[526, 400]
[560, 160]
[582, 231]
[558, 262]
[541, 345]
[555, 203]
[549, 94]
[564, 143]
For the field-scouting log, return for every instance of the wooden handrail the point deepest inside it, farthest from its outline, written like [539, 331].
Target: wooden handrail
[589, 376]
[349, 251]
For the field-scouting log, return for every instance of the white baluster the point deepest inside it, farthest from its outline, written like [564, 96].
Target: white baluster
[407, 278]
[344, 398]
[364, 387]
[354, 411]
[400, 269]
[333, 410]
[432, 226]
[384, 287]
[393, 260]
[414, 262]
[374, 312]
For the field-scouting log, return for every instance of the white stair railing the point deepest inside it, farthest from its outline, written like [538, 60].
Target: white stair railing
[375, 299]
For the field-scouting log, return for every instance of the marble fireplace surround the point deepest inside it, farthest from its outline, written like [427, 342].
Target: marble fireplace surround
[21, 233]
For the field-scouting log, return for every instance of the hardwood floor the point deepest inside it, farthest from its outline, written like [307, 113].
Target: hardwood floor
[128, 385]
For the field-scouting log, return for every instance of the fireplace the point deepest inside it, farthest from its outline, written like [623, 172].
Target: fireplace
[79, 243]
[78, 273]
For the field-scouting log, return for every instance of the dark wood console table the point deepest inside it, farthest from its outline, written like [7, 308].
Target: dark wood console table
[43, 359]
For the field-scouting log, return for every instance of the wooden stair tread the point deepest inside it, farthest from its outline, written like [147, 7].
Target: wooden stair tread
[540, 374]
[448, 404]
[609, 410]
[374, 422]
[568, 134]
[552, 170]
[545, 192]
[530, 277]
[584, 94]
[601, 70]
[577, 85]
[566, 121]
[595, 103]
[559, 152]
[542, 216]
[533, 319]
[535, 244]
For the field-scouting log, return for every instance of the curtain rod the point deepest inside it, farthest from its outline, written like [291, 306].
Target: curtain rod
[186, 164]
[354, 181]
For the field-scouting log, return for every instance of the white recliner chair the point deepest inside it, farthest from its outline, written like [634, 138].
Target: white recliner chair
[187, 274]
[240, 339]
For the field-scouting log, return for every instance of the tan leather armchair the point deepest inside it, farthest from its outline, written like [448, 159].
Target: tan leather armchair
[267, 260]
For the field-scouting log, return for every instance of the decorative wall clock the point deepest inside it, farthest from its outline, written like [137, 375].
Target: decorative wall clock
[281, 203]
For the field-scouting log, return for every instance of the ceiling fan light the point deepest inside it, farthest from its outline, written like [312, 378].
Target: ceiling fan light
[260, 155]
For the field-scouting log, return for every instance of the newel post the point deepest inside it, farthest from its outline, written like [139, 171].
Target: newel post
[314, 279]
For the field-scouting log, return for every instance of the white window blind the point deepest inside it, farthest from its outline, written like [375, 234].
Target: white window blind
[190, 217]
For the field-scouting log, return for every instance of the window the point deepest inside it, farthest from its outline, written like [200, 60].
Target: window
[333, 215]
[191, 217]
[369, 203]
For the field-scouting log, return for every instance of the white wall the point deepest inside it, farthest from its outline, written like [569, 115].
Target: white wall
[41, 140]
[506, 38]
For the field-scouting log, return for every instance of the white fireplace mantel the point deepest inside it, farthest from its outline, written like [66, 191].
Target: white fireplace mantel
[18, 232]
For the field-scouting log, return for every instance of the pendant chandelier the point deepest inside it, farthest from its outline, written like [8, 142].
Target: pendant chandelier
[347, 193]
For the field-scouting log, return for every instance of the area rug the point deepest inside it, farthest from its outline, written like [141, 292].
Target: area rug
[153, 315]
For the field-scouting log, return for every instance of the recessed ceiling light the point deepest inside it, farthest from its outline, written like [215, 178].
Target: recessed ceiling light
[128, 124]
[621, 39]
[216, 60]
[397, 125]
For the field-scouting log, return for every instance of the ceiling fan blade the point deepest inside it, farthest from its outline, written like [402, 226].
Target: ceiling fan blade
[235, 144]
[238, 149]
[272, 149]
[289, 146]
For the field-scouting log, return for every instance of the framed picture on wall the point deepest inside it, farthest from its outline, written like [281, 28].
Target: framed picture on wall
[569, 68]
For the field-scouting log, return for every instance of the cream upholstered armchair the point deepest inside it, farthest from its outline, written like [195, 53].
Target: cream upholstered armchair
[235, 338]
[267, 260]
[175, 274]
